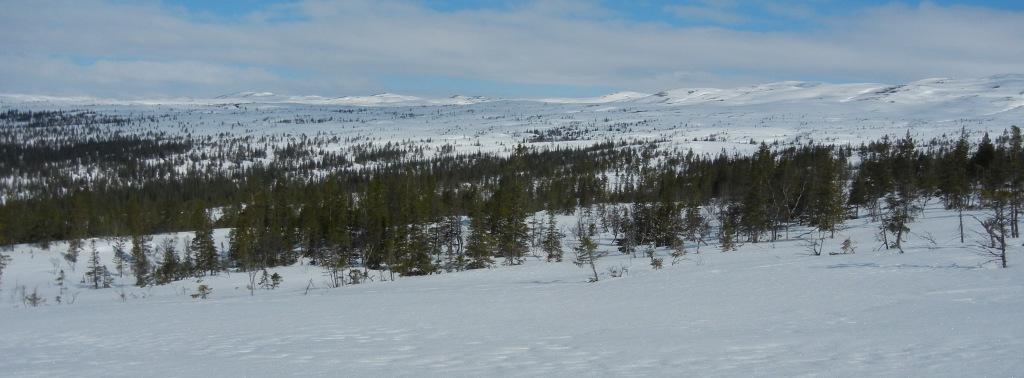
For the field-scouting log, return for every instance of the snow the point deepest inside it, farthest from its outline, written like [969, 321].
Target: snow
[614, 97]
[768, 309]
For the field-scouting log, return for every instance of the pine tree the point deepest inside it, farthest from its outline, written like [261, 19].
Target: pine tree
[754, 219]
[1015, 154]
[120, 256]
[415, 256]
[695, 226]
[170, 265]
[847, 247]
[479, 244]
[551, 243]
[899, 212]
[586, 249]
[61, 282]
[75, 247]
[140, 260]
[96, 274]
[955, 184]
[826, 209]
[996, 224]
[206, 260]
[728, 218]
[4, 260]
[269, 281]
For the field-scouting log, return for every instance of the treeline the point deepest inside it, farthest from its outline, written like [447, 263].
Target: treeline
[408, 216]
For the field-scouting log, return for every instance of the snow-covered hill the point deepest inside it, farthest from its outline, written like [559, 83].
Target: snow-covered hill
[769, 309]
[1003, 92]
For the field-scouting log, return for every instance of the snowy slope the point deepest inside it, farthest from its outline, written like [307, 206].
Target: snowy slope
[614, 97]
[765, 310]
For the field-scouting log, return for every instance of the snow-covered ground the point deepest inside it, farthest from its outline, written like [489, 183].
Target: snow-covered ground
[704, 119]
[768, 309]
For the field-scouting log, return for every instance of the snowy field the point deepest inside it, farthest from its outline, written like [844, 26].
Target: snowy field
[768, 309]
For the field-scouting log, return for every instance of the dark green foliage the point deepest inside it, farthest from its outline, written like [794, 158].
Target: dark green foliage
[96, 274]
[551, 243]
[479, 245]
[140, 260]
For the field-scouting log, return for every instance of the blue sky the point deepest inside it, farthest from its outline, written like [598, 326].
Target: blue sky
[757, 15]
[518, 48]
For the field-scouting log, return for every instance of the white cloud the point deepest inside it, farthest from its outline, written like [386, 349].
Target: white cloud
[715, 14]
[344, 47]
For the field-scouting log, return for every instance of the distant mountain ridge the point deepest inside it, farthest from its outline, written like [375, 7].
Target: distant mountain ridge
[990, 94]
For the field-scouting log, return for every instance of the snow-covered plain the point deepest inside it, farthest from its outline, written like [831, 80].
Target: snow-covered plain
[768, 309]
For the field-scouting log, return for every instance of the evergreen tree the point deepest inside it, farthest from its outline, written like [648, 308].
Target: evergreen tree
[170, 265]
[96, 274]
[479, 244]
[4, 260]
[586, 249]
[899, 213]
[61, 282]
[140, 260]
[551, 243]
[826, 206]
[120, 256]
[695, 226]
[202, 246]
[75, 247]
[955, 184]
[728, 219]
[754, 215]
[1015, 165]
[415, 257]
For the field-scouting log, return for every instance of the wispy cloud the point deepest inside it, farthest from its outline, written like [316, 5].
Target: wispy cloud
[336, 48]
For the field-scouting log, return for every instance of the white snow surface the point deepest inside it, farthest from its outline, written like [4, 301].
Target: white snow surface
[707, 121]
[768, 309]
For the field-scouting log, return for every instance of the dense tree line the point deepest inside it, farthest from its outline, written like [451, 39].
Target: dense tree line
[401, 210]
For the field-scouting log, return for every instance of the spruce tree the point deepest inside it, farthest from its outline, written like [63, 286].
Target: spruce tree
[169, 268]
[695, 226]
[120, 256]
[4, 260]
[586, 249]
[96, 274]
[728, 219]
[955, 185]
[75, 247]
[205, 251]
[479, 244]
[826, 208]
[551, 243]
[140, 260]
